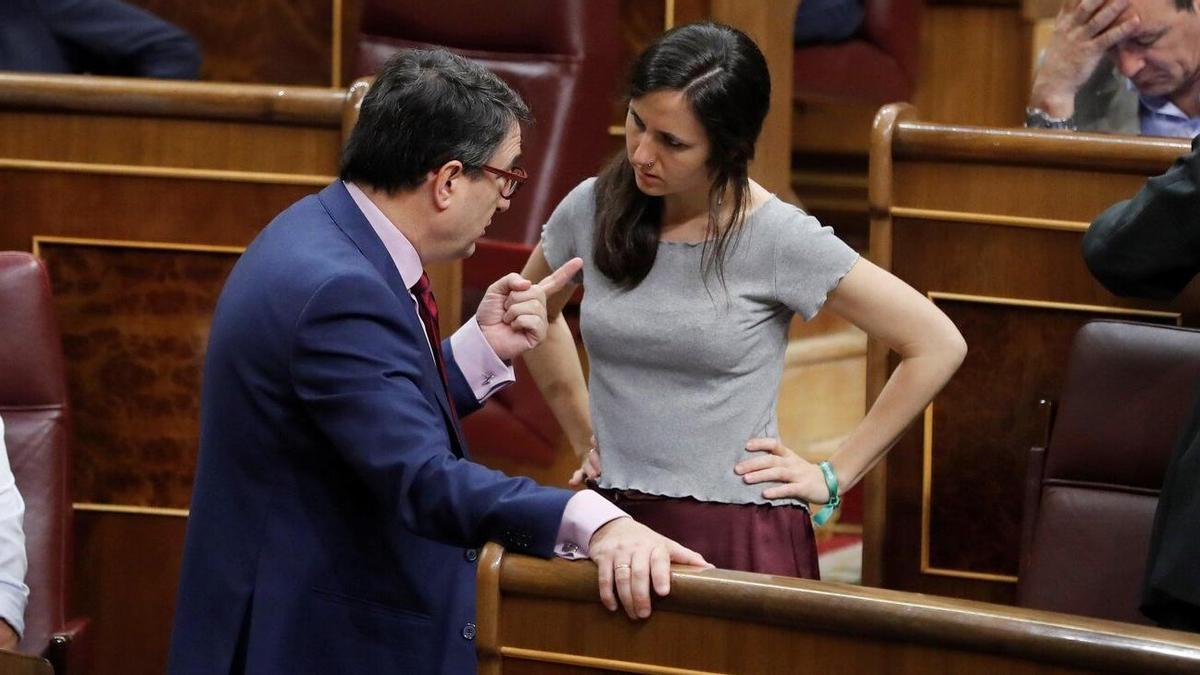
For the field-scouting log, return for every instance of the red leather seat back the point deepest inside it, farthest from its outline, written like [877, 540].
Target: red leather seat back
[33, 404]
[1128, 393]
[895, 27]
[877, 66]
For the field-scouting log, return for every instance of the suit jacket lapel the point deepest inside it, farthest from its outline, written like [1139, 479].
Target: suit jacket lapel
[347, 216]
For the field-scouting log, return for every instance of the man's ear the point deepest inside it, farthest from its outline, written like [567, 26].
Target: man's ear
[447, 182]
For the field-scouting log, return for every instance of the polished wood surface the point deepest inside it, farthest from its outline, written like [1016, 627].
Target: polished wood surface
[974, 64]
[722, 621]
[988, 223]
[111, 124]
[21, 664]
[166, 98]
[126, 578]
[1038, 148]
[136, 323]
[769, 23]
[136, 264]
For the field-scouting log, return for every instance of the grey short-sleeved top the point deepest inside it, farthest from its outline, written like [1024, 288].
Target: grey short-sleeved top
[681, 375]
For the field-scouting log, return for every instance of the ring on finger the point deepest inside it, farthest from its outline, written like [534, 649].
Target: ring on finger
[621, 566]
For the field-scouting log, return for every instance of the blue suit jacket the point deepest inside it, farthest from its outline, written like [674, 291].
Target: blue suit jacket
[334, 513]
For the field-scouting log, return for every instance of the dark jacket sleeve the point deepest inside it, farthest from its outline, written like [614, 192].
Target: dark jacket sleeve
[1149, 246]
[122, 39]
[355, 367]
[464, 397]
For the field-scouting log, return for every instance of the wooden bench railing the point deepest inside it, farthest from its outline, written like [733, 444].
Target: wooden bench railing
[544, 616]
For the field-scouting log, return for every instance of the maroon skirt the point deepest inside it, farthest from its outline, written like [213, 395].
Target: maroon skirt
[748, 537]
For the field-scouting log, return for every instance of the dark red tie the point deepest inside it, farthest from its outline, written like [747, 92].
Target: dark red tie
[429, 316]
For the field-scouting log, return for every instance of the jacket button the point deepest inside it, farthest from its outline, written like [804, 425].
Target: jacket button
[469, 631]
[471, 555]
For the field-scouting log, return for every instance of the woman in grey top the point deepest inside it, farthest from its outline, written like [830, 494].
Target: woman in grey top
[693, 273]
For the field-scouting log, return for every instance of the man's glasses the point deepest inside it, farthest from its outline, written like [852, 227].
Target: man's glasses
[513, 180]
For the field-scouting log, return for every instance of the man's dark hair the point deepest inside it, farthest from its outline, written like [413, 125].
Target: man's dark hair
[426, 108]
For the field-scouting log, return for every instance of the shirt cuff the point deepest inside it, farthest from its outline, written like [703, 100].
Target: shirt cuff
[586, 512]
[12, 606]
[485, 372]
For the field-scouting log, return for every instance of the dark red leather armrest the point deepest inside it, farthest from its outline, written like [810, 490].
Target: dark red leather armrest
[69, 650]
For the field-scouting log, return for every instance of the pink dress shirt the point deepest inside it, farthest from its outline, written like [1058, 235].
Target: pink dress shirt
[487, 373]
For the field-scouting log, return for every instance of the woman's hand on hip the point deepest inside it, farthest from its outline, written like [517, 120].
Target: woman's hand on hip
[799, 478]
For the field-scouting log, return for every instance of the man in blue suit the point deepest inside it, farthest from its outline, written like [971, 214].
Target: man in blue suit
[335, 513]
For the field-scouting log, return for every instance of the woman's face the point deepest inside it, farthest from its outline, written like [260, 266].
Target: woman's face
[666, 144]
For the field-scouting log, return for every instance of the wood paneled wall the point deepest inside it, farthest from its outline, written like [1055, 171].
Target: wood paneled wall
[975, 61]
[732, 622]
[987, 223]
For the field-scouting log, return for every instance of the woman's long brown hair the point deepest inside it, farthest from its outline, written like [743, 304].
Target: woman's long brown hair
[725, 79]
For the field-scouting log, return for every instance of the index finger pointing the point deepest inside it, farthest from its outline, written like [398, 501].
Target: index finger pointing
[561, 276]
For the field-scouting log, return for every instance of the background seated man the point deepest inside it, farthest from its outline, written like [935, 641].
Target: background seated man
[100, 37]
[1129, 66]
[822, 21]
[1149, 246]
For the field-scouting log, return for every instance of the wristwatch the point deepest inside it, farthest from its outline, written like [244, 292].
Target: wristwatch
[1036, 118]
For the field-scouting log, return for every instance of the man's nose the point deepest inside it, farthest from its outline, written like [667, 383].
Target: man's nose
[1129, 62]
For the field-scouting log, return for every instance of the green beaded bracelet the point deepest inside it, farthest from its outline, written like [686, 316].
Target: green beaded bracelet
[835, 500]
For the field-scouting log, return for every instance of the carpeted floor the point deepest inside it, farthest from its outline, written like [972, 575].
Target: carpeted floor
[840, 558]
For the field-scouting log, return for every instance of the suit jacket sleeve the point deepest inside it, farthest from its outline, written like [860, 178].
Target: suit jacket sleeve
[1149, 245]
[464, 397]
[133, 40]
[356, 367]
